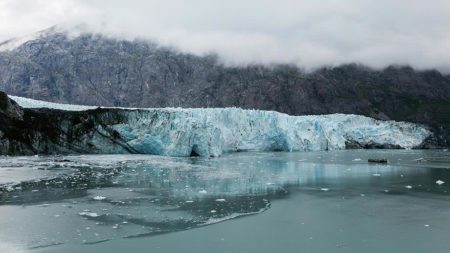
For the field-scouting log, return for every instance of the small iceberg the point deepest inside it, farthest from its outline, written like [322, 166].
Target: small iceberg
[440, 182]
[88, 214]
[99, 198]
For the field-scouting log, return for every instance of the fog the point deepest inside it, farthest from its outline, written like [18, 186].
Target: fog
[303, 32]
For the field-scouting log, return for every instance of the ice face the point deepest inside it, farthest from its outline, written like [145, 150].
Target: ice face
[211, 132]
[214, 131]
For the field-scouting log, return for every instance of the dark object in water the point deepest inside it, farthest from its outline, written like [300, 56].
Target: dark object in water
[377, 160]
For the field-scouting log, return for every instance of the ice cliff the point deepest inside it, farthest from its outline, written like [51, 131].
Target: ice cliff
[212, 132]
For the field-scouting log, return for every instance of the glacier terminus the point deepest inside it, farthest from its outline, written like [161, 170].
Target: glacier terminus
[204, 131]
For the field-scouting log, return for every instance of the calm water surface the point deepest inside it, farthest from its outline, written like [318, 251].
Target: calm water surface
[244, 202]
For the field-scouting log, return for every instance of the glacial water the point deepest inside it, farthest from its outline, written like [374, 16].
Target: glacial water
[244, 202]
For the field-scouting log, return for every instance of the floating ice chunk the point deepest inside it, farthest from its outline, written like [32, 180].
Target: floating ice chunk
[202, 192]
[440, 182]
[426, 225]
[213, 211]
[89, 214]
[189, 201]
[100, 198]
[408, 187]
[376, 175]
[324, 189]
[220, 200]
[357, 159]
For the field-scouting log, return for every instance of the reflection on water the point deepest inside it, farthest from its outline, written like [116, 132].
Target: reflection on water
[50, 200]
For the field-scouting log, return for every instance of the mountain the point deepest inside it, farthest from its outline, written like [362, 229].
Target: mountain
[92, 69]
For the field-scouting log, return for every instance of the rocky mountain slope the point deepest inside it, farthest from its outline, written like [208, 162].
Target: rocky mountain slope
[95, 70]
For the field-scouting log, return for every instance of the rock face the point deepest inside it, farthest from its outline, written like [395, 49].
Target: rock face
[11, 117]
[45, 131]
[189, 132]
[94, 70]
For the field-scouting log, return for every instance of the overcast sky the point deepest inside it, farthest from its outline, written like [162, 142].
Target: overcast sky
[309, 33]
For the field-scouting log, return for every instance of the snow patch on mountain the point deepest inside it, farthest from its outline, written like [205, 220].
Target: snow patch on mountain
[33, 103]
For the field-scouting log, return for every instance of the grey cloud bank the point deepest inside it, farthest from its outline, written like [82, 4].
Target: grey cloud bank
[304, 32]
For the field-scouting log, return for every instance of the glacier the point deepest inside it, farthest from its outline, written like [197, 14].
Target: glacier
[215, 131]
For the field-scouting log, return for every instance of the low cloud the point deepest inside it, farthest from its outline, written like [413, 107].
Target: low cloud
[304, 32]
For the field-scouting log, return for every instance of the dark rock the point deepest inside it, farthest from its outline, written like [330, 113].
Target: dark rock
[9, 108]
[350, 144]
[377, 161]
[46, 131]
[381, 146]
